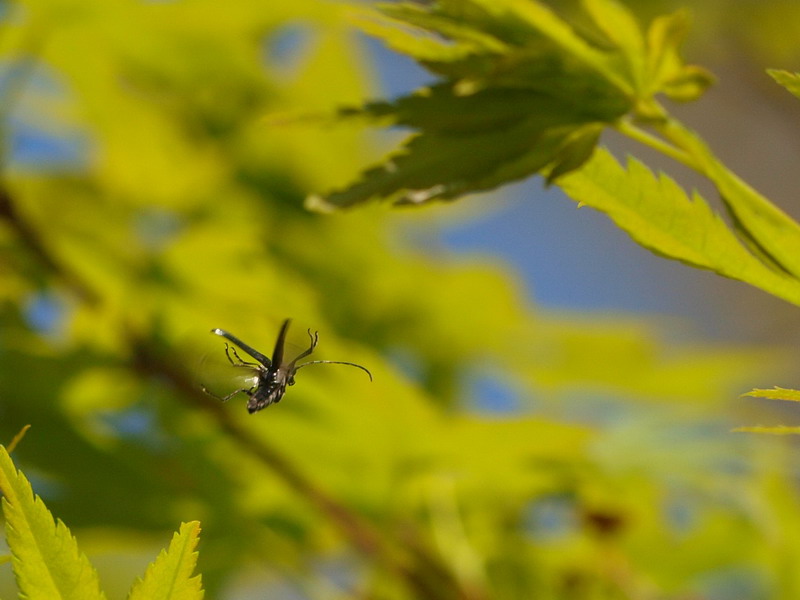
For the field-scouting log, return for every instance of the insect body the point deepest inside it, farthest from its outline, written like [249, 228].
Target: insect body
[271, 375]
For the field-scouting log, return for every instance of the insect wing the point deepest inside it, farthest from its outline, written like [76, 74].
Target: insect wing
[215, 369]
[280, 343]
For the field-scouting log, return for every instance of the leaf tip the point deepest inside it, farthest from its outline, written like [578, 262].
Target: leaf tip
[17, 439]
[316, 203]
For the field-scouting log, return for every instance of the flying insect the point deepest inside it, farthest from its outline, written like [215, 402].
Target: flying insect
[271, 375]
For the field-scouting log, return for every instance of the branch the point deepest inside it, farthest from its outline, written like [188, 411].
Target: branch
[409, 560]
[32, 241]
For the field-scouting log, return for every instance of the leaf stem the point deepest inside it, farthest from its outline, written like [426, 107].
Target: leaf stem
[770, 232]
[628, 128]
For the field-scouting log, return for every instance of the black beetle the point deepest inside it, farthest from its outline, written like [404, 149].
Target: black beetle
[272, 375]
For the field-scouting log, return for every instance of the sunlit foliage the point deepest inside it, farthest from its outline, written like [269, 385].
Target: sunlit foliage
[150, 193]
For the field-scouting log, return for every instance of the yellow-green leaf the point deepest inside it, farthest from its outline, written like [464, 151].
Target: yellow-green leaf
[617, 23]
[776, 393]
[45, 557]
[791, 81]
[17, 438]
[169, 577]
[772, 430]
[689, 84]
[620, 26]
[660, 216]
[768, 230]
[666, 71]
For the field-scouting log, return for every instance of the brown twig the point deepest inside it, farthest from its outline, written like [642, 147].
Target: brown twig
[408, 559]
[412, 563]
[32, 241]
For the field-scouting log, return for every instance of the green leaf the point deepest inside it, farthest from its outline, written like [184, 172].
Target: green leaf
[17, 439]
[412, 34]
[667, 72]
[521, 90]
[540, 18]
[170, 576]
[46, 560]
[617, 22]
[477, 141]
[769, 232]
[444, 109]
[436, 167]
[791, 81]
[575, 151]
[621, 28]
[482, 28]
[776, 393]
[773, 430]
[688, 84]
[659, 215]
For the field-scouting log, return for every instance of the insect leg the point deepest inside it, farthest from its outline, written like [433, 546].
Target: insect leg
[241, 363]
[247, 391]
[314, 341]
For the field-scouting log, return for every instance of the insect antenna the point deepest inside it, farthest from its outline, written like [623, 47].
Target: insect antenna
[334, 362]
[248, 349]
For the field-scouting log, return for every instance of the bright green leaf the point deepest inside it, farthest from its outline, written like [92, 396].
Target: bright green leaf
[170, 576]
[17, 439]
[411, 33]
[773, 430]
[667, 72]
[659, 215]
[191, 217]
[46, 560]
[540, 18]
[776, 393]
[769, 232]
[664, 35]
[620, 26]
[617, 22]
[689, 83]
[791, 81]
[512, 73]
[497, 41]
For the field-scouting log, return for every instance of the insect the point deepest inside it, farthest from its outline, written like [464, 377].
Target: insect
[271, 375]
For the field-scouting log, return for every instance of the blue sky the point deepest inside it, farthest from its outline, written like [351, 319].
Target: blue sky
[568, 258]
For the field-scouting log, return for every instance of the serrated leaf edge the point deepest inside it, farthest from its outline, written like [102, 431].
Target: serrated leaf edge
[20, 508]
[183, 543]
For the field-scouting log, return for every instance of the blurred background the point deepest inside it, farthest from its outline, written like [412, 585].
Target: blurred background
[552, 406]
